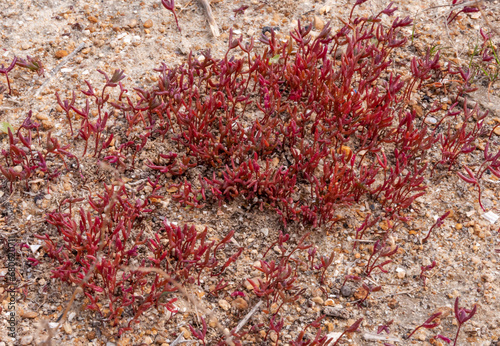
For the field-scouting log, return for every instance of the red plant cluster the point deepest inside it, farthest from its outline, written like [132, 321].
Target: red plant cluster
[111, 239]
[22, 160]
[292, 128]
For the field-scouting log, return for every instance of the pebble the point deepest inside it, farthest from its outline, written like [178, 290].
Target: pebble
[360, 293]
[336, 311]
[319, 24]
[240, 303]
[273, 336]
[401, 273]
[148, 24]
[67, 328]
[224, 304]
[25, 46]
[318, 300]
[47, 124]
[325, 9]
[445, 312]
[92, 19]
[61, 53]
[26, 340]
[28, 314]
[132, 23]
[90, 335]
[347, 291]
[430, 120]
[148, 340]
[17, 169]
[249, 286]
[487, 277]
[212, 323]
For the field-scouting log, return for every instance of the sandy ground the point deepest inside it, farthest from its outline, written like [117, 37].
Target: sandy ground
[136, 36]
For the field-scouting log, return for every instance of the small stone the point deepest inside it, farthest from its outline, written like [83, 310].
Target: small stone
[248, 283]
[487, 277]
[318, 300]
[458, 226]
[274, 308]
[345, 150]
[497, 130]
[224, 305]
[319, 24]
[132, 23]
[392, 303]
[360, 293]
[418, 110]
[330, 326]
[401, 273]
[90, 335]
[275, 162]
[71, 315]
[445, 312]
[430, 120]
[212, 323]
[453, 294]
[325, 9]
[26, 340]
[336, 311]
[148, 340]
[347, 291]
[28, 314]
[491, 217]
[41, 116]
[61, 53]
[67, 328]
[92, 19]
[25, 46]
[148, 24]
[239, 303]
[329, 302]
[47, 124]
[185, 332]
[273, 336]
[123, 342]
[476, 260]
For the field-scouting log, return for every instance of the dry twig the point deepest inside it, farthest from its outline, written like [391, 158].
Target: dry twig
[210, 17]
[58, 67]
[247, 317]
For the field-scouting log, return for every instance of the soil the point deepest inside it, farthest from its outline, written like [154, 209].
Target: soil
[137, 36]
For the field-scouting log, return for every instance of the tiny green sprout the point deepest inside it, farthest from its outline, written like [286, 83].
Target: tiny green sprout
[4, 127]
[274, 59]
